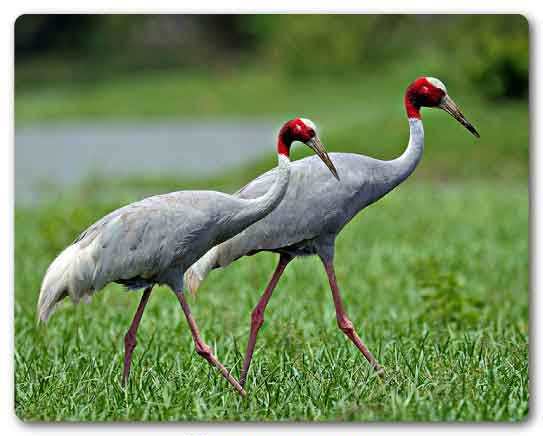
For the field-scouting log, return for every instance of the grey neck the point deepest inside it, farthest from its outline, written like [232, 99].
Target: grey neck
[253, 210]
[404, 165]
[264, 204]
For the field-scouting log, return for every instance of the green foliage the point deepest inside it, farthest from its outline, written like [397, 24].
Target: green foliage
[490, 51]
[398, 265]
[311, 44]
[496, 55]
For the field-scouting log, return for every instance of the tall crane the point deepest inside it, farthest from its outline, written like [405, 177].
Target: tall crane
[316, 208]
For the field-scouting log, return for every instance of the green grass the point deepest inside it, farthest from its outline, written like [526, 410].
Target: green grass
[434, 276]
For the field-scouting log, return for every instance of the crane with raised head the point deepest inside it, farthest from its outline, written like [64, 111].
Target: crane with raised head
[316, 208]
[155, 240]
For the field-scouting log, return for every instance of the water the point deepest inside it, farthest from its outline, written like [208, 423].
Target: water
[64, 154]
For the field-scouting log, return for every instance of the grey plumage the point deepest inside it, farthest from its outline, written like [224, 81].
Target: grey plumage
[315, 207]
[156, 239]
[152, 241]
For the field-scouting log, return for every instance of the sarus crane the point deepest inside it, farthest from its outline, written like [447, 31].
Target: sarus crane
[316, 208]
[155, 240]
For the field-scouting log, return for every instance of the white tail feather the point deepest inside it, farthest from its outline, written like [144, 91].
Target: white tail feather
[199, 270]
[69, 274]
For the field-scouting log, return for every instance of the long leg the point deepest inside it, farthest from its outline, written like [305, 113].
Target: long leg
[343, 321]
[201, 348]
[130, 337]
[257, 316]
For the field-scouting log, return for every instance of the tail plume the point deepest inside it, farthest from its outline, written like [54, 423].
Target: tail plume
[197, 273]
[67, 275]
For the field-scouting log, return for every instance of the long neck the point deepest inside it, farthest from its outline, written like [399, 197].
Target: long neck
[376, 180]
[263, 205]
[404, 165]
[253, 210]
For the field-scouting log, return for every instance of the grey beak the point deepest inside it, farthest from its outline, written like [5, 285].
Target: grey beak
[318, 147]
[449, 106]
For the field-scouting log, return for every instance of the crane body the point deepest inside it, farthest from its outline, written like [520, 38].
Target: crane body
[316, 208]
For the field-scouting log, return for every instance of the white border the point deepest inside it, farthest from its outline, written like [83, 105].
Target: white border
[11, 10]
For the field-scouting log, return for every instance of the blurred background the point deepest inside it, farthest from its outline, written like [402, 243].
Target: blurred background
[149, 97]
[113, 108]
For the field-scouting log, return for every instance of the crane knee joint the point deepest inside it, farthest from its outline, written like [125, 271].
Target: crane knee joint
[130, 340]
[345, 325]
[203, 350]
[257, 318]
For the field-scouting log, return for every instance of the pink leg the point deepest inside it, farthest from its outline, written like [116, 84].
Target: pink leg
[344, 322]
[204, 350]
[257, 316]
[130, 337]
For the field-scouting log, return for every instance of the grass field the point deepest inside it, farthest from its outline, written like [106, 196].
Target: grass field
[434, 276]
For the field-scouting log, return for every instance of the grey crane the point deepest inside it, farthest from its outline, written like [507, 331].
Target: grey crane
[316, 208]
[155, 240]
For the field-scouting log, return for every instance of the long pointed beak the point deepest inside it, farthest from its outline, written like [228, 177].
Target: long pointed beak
[318, 147]
[449, 106]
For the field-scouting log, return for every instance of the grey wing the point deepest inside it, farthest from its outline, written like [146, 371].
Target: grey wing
[315, 208]
[303, 214]
[144, 239]
[315, 205]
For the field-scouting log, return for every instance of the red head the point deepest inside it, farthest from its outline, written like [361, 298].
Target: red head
[423, 92]
[431, 92]
[303, 130]
[298, 129]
